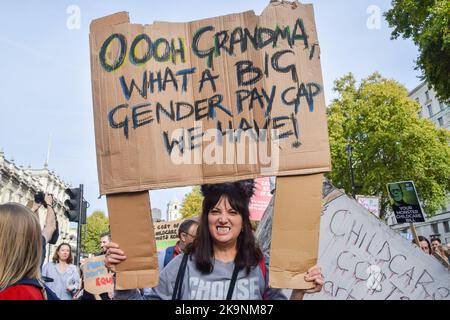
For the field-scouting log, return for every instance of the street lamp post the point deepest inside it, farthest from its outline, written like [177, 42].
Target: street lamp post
[348, 150]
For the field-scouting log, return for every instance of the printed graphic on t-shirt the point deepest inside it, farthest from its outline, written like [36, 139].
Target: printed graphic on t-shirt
[245, 289]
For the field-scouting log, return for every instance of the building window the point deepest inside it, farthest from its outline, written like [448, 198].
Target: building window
[442, 106]
[417, 100]
[441, 122]
[430, 110]
[435, 228]
[427, 95]
[446, 226]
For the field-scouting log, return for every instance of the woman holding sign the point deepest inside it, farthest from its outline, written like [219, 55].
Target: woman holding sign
[224, 261]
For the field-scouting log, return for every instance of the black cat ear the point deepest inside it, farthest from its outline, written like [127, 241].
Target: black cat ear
[213, 188]
[243, 187]
[206, 189]
[247, 187]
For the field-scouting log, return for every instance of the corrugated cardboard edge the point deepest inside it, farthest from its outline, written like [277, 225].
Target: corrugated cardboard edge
[113, 19]
[97, 24]
[216, 179]
[136, 279]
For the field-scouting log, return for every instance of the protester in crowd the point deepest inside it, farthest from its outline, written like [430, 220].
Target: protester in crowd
[224, 261]
[187, 232]
[105, 238]
[445, 252]
[65, 275]
[20, 255]
[439, 249]
[50, 221]
[435, 243]
[424, 244]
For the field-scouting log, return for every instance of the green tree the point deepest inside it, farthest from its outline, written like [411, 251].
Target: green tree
[427, 23]
[96, 224]
[390, 142]
[192, 203]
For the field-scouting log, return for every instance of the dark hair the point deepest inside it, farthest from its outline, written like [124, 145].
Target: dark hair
[185, 225]
[106, 234]
[436, 239]
[238, 195]
[56, 257]
[422, 238]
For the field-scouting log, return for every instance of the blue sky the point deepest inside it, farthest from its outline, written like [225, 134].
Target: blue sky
[45, 86]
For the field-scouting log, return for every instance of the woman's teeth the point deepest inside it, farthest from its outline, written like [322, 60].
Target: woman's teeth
[223, 230]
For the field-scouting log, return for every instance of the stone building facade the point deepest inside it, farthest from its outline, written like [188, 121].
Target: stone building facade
[19, 184]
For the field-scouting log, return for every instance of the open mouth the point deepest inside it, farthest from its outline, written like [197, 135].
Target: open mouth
[223, 230]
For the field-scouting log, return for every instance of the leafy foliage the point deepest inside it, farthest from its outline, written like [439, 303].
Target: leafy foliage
[427, 23]
[192, 203]
[390, 143]
[96, 224]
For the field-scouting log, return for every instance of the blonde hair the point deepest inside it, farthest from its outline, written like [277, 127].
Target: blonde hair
[20, 244]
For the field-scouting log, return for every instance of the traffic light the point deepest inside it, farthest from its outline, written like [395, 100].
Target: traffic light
[84, 207]
[76, 212]
[74, 203]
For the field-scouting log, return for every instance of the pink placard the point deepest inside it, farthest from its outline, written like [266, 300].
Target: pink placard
[260, 199]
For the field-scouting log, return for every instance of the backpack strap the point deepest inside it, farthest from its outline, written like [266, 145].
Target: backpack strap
[232, 283]
[176, 295]
[169, 255]
[262, 266]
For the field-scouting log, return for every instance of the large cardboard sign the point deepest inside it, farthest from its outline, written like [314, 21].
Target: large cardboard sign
[214, 100]
[132, 227]
[295, 230]
[404, 201]
[363, 258]
[96, 277]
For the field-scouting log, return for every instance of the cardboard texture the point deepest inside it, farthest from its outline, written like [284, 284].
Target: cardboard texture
[362, 258]
[166, 233]
[150, 102]
[179, 104]
[131, 226]
[295, 230]
[96, 277]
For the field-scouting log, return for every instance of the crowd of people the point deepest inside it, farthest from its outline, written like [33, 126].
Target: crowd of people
[434, 248]
[216, 256]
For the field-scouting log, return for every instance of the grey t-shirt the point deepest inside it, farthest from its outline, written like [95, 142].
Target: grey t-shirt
[213, 286]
